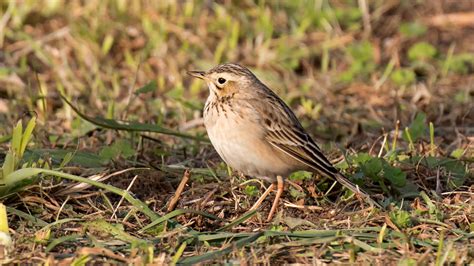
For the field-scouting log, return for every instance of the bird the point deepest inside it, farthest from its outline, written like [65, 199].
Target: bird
[256, 133]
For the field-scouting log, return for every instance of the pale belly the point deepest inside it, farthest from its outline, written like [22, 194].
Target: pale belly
[242, 146]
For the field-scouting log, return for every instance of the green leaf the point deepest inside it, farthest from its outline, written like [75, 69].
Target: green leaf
[361, 158]
[421, 51]
[125, 148]
[349, 17]
[342, 165]
[395, 175]
[297, 194]
[251, 190]
[372, 167]
[107, 43]
[300, 176]
[8, 166]
[417, 128]
[120, 147]
[151, 86]
[61, 157]
[412, 29]
[401, 218]
[457, 153]
[460, 63]
[409, 190]
[457, 171]
[16, 138]
[109, 153]
[27, 135]
[403, 77]
[362, 52]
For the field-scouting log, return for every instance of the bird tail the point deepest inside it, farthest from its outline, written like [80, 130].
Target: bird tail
[356, 189]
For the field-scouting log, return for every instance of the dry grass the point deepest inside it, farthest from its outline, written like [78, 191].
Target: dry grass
[349, 69]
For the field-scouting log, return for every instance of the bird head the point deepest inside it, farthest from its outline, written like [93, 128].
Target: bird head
[226, 79]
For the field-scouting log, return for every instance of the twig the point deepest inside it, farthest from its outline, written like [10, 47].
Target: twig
[4, 20]
[206, 198]
[364, 8]
[461, 19]
[179, 190]
[303, 207]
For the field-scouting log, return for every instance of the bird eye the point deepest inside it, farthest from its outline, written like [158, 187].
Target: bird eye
[221, 80]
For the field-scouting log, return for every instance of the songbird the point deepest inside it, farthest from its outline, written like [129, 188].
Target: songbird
[256, 133]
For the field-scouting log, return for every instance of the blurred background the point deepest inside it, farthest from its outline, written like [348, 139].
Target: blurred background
[338, 63]
[357, 73]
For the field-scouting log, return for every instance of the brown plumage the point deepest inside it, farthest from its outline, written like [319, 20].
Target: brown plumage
[256, 133]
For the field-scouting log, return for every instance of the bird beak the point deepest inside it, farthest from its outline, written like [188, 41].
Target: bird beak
[197, 74]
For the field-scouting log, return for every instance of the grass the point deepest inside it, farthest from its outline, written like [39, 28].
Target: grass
[101, 121]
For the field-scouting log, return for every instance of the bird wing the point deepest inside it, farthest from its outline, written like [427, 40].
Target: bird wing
[284, 132]
[299, 145]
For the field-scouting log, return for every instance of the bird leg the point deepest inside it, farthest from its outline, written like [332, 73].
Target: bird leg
[280, 187]
[262, 198]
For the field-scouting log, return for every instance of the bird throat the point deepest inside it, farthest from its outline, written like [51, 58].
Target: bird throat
[220, 104]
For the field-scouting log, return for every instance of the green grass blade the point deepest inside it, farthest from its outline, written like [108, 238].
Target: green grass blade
[365, 246]
[3, 219]
[306, 242]
[8, 167]
[58, 156]
[237, 221]
[221, 236]
[131, 126]
[16, 138]
[27, 135]
[179, 253]
[5, 238]
[60, 240]
[5, 138]
[439, 253]
[117, 232]
[59, 222]
[432, 144]
[34, 220]
[211, 255]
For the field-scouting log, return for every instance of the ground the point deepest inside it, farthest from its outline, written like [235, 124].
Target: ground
[385, 87]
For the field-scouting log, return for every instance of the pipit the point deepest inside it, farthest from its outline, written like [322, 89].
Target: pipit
[257, 134]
